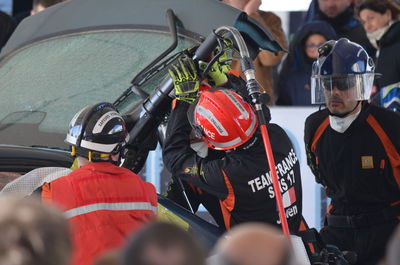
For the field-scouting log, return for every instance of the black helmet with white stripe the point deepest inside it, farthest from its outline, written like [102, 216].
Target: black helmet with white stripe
[98, 128]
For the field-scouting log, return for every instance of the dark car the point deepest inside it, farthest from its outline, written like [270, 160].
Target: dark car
[78, 53]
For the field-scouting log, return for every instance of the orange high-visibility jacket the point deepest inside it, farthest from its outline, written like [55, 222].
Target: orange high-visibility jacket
[104, 204]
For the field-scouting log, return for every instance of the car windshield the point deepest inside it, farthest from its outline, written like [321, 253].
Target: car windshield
[42, 85]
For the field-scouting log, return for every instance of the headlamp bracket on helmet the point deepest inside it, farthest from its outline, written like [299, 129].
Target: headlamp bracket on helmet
[325, 49]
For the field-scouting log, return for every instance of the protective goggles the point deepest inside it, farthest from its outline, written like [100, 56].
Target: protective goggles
[341, 83]
[353, 87]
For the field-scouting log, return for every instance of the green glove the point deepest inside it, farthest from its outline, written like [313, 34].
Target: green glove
[186, 81]
[217, 74]
[219, 69]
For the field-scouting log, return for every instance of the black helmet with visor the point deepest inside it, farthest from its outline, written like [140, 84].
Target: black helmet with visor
[343, 65]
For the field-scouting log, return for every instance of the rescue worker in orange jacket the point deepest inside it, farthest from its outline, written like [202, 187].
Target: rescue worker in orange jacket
[104, 203]
[353, 150]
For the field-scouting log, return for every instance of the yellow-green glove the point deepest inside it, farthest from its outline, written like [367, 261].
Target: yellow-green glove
[185, 79]
[217, 73]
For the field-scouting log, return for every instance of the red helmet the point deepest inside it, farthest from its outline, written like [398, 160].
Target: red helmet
[223, 119]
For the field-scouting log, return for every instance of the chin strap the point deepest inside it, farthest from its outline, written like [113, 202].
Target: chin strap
[344, 114]
[94, 156]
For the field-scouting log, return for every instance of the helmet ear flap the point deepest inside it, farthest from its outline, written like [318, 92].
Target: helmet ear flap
[118, 148]
[198, 131]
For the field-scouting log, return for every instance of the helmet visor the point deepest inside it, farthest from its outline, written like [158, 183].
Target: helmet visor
[352, 87]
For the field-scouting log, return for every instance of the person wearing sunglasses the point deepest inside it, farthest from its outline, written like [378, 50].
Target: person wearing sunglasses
[353, 150]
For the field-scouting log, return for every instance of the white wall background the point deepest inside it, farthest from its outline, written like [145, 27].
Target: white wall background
[292, 120]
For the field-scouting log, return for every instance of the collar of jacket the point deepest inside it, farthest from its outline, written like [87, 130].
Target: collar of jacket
[391, 36]
[104, 167]
[342, 21]
[341, 124]
[361, 116]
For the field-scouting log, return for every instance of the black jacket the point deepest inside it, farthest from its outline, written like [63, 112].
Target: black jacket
[360, 168]
[240, 179]
[388, 61]
[7, 26]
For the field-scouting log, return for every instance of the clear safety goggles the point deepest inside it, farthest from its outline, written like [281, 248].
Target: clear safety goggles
[351, 87]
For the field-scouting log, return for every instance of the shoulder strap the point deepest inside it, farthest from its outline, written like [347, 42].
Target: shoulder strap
[312, 159]
[394, 157]
[318, 133]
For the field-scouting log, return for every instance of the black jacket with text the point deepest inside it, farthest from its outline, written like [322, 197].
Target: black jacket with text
[241, 179]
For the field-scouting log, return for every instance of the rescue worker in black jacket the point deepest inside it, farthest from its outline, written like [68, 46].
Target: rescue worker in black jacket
[353, 150]
[233, 180]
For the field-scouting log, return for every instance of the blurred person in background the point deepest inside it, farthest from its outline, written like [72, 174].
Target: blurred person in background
[265, 60]
[162, 243]
[32, 233]
[380, 19]
[111, 257]
[294, 82]
[340, 15]
[40, 5]
[252, 244]
[37, 6]
[7, 26]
